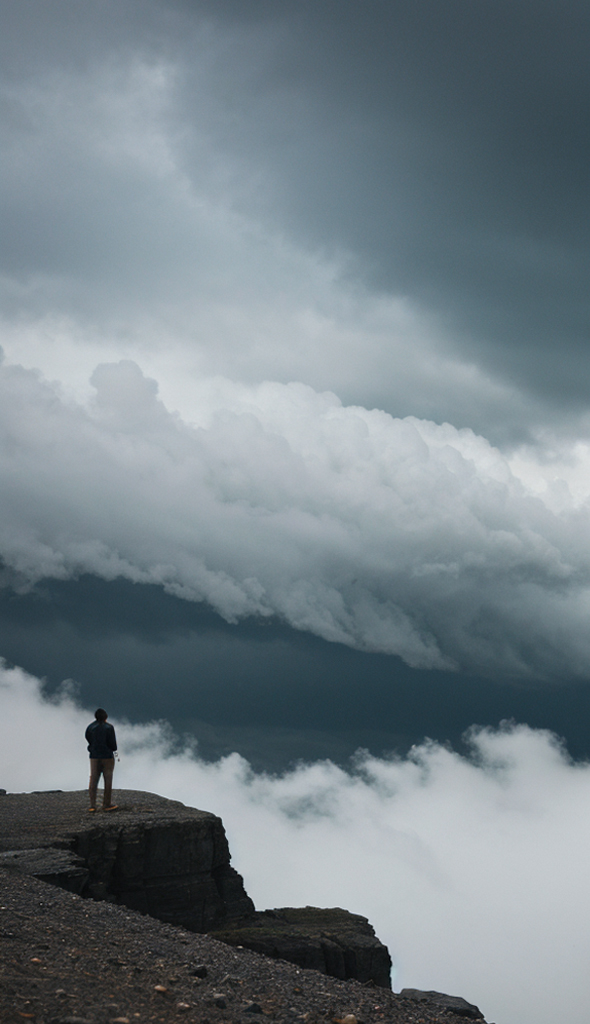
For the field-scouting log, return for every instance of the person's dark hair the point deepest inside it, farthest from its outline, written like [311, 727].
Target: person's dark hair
[100, 715]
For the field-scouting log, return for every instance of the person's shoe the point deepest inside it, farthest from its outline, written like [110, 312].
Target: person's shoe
[113, 807]
[91, 809]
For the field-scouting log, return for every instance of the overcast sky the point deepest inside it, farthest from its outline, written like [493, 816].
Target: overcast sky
[294, 419]
[384, 200]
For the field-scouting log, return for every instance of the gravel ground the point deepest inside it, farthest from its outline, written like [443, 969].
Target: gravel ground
[53, 818]
[68, 960]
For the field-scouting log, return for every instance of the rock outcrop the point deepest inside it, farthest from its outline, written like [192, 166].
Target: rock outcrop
[173, 862]
[451, 1004]
[58, 867]
[334, 942]
[153, 855]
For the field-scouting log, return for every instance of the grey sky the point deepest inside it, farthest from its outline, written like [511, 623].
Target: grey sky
[436, 152]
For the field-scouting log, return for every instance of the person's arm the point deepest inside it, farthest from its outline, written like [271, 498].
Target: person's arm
[113, 739]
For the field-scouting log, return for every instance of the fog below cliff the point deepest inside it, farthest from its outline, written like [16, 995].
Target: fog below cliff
[472, 869]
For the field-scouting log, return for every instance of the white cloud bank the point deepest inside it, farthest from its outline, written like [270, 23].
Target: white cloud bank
[473, 871]
[389, 535]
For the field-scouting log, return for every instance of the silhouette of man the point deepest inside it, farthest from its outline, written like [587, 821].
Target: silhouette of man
[102, 744]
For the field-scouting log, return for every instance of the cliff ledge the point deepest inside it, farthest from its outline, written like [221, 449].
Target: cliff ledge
[161, 858]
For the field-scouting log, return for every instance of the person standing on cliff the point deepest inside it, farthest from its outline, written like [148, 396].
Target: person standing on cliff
[102, 745]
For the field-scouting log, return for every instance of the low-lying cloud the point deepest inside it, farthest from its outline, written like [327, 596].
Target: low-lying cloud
[472, 870]
[389, 535]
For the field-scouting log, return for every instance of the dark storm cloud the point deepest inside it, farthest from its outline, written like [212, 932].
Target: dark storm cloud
[393, 536]
[448, 144]
[149, 161]
[443, 147]
[274, 695]
[429, 150]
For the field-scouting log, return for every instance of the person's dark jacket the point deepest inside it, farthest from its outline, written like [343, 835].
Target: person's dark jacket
[102, 741]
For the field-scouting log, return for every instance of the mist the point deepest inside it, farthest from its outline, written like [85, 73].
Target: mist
[471, 868]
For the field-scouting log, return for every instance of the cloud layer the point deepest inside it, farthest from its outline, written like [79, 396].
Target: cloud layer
[204, 186]
[390, 535]
[473, 871]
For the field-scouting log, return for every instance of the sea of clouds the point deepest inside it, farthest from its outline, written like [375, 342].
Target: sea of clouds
[390, 535]
[472, 869]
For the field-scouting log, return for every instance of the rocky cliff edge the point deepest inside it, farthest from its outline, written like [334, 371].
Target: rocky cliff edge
[172, 862]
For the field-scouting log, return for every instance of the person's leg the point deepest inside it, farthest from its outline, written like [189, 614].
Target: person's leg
[94, 777]
[108, 765]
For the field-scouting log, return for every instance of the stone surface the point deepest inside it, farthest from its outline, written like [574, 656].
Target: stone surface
[332, 941]
[153, 855]
[173, 862]
[58, 867]
[460, 1007]
[109, 960]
